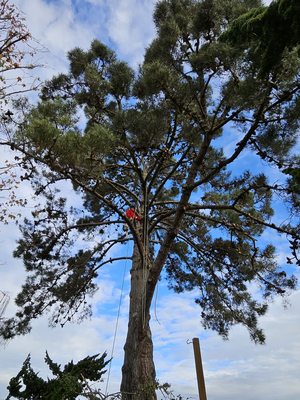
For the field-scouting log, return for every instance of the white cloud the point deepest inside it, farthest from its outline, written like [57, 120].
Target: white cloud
[60, 26]
[71, 342]
[131, 27]
[231, 367]
[55, 26]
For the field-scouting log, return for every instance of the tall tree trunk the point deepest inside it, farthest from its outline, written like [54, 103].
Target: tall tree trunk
[138, 371]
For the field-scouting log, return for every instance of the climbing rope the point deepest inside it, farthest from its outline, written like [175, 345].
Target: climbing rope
[145, 256]
[117, 322]
[155, 304]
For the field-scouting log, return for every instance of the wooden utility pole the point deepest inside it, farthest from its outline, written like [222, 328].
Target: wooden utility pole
[199, 370]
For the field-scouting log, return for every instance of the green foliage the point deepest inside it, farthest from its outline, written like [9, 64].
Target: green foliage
[154, 140]
[295, 181]
[272, 32]
[294, 184]
[68, 382]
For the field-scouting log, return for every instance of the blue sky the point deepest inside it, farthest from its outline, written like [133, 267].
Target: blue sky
[234, 369]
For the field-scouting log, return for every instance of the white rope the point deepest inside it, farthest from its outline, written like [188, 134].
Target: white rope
[155, 304]
[145, 257]
[117, 322]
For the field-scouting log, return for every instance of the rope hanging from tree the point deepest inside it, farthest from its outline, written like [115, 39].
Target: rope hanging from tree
[117, 323]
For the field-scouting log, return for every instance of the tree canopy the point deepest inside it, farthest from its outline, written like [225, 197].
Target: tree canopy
[271, 31]
[169, 140]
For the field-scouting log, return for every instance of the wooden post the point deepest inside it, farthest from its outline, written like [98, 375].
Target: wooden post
[199, 370]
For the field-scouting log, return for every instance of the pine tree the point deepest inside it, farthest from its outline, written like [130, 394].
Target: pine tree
[272, 31]
[152, 144]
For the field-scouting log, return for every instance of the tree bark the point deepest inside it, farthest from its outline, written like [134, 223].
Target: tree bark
[138, 371]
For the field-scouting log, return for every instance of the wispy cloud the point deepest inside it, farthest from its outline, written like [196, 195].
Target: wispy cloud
[231, 367]
[130, 27]
[60, 26]
[56, 26]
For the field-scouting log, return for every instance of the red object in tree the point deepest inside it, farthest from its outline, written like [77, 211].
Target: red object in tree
[132, 214]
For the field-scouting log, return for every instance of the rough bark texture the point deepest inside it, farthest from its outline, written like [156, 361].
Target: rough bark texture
[138, 371]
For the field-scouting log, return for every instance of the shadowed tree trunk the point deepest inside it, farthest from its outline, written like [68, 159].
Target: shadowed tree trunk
[138, 371]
